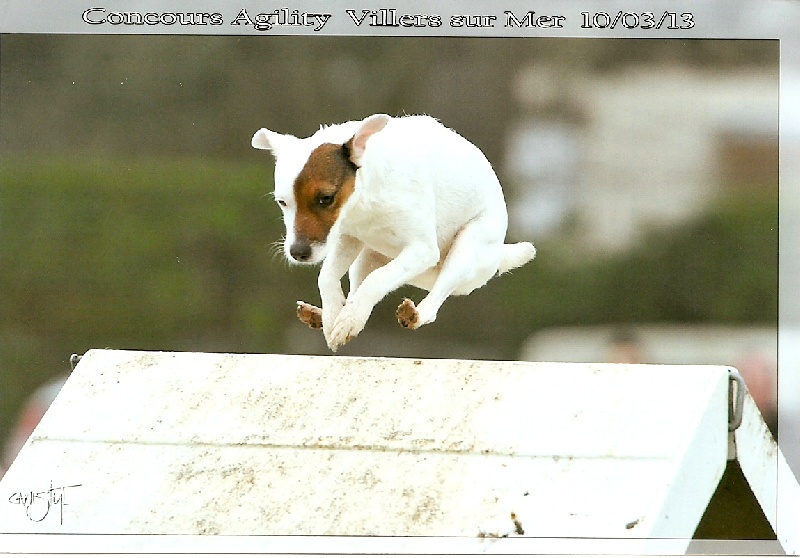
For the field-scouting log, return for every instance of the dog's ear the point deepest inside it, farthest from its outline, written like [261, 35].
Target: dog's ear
[369, 126]
[272, 141]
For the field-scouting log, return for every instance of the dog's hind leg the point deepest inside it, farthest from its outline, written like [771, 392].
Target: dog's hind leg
[473, 259]
[366, 262]
[413, 260]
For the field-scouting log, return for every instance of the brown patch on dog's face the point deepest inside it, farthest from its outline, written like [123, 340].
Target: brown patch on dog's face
[321, 189]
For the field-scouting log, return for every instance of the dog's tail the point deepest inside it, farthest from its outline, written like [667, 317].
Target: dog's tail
[515, 255]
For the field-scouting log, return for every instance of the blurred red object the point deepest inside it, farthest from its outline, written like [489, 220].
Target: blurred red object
[33, 411]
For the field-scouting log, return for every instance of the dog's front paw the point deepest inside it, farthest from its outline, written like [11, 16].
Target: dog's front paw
[407, 315]
[413, 317]
[349, 323]
[309, 314]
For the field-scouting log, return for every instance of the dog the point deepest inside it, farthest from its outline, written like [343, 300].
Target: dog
[389, 201]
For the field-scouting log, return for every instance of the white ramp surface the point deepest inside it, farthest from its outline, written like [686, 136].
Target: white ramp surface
[195, 443]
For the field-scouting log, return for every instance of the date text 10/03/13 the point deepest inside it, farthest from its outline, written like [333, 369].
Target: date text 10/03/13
[637, 20]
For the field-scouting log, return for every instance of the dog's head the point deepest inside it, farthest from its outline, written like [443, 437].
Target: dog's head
[314, 178]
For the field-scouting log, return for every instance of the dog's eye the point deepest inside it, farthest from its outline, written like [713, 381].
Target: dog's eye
[325, 200]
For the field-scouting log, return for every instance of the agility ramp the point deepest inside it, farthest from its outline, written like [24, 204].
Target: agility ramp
[479, 452]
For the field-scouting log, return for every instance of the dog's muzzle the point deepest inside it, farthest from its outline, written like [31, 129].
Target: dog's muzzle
[300, 251]
[303, 251]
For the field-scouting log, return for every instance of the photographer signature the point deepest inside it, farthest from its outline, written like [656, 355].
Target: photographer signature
[38, 504]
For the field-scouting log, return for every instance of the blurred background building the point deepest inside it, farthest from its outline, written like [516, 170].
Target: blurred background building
[654, 144]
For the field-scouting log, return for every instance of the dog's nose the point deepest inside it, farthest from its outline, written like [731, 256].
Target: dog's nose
[300, 251]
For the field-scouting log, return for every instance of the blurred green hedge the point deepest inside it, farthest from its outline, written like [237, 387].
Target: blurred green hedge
[161, 255]
[719, 268]
[176, 255]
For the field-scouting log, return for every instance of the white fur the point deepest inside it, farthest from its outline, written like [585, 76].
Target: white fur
[427, 210]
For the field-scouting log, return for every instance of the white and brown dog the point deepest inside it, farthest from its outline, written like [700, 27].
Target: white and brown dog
[394, 201]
